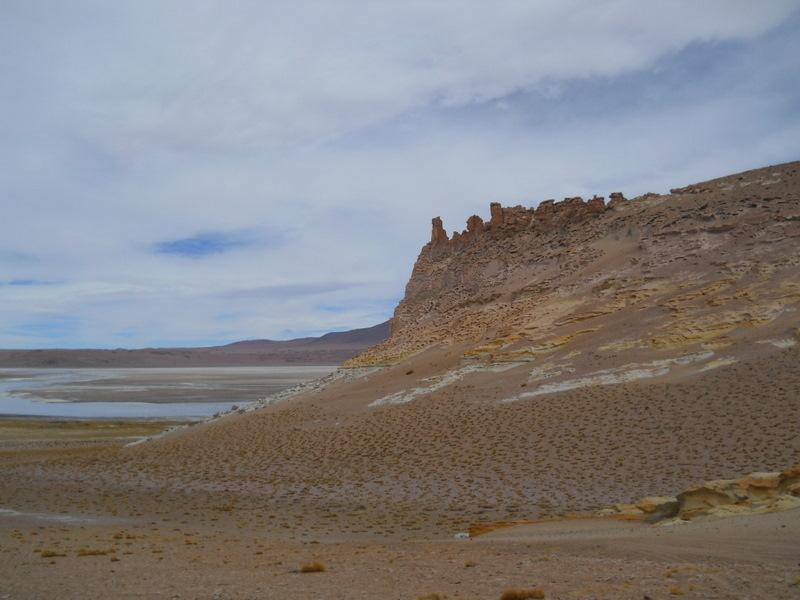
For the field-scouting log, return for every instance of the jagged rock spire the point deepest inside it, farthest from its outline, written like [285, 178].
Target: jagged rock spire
[438, 234]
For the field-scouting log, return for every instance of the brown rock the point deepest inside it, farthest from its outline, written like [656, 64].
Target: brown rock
[615, 199]
[538, 264]
[475, 225]
[596, 205]
[790, 480]
[497, 214]
[699, 500]
[438, 234]
[658, 508]
[544, 212]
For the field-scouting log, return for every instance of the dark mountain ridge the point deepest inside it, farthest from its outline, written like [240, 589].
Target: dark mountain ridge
[329, 349]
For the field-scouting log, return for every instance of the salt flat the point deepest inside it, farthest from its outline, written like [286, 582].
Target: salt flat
[137, 393]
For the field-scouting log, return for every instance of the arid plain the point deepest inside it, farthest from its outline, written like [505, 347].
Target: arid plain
[543, 366]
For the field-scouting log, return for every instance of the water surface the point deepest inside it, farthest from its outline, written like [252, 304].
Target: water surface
[142, 393]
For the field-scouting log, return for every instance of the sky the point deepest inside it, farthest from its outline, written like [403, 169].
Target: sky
[195, 172]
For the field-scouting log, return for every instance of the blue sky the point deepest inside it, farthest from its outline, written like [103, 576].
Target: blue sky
[204, 244]
[198, 173]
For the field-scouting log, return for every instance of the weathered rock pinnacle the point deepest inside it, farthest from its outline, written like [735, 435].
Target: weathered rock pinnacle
[438, 234]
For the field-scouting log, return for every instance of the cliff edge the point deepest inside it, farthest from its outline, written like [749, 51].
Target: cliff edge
[700, 267]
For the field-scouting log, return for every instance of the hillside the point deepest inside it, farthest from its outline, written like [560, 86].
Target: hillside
[329, 349]
[709, 267]
[564, 358]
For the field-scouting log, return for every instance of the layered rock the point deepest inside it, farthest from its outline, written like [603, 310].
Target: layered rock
[703, 264]
[754, 493]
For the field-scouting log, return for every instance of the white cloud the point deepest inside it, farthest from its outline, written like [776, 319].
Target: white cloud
[341, 128]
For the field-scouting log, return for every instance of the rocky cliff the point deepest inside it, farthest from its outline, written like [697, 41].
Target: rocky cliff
[699, 267]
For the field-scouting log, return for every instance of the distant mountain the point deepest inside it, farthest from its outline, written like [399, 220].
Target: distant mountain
[363, 338]
[329, 349]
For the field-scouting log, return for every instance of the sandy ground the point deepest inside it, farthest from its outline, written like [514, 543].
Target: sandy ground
[21, 433]
[233, 508]
[744, 557]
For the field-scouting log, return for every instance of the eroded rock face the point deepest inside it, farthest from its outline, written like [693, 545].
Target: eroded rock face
[754, 493]
[438, 234]
[658, 508]
[475, 226]
[496, 212]
[615, 199]
[708, 266]
[596, 205]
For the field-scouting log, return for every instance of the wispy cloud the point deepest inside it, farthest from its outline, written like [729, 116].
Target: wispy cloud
[61, 328]
[24, 282]
[216, 171]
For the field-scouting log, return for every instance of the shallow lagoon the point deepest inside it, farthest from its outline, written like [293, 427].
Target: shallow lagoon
[142, 393]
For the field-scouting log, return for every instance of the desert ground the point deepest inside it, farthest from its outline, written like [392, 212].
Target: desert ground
[235, 507]
[747, 557]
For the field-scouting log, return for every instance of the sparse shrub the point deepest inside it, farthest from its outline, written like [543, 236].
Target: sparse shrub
[410, 372]
[676, 591]
[50, 554]
[91, 552]
[313, 567]
[527, 594]
[432, 597]
[470, 563]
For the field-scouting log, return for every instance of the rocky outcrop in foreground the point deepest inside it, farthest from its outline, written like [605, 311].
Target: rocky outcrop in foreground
[755, 493]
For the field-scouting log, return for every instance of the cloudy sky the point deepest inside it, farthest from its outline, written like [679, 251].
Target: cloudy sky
[192, 172]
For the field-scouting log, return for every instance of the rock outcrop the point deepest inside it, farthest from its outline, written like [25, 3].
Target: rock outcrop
[701, 268]
[755, 493]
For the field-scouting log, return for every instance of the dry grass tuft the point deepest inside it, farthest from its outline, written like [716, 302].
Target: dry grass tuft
[676, 591]
[50, 554]
[432, 597]
[91, 552]
[528, 594]
[313, 567]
